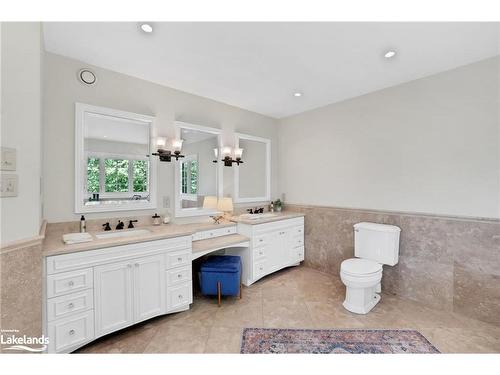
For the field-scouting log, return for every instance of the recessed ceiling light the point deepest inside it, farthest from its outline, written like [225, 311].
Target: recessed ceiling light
[297, 94]
[147, 28]
[390, 54]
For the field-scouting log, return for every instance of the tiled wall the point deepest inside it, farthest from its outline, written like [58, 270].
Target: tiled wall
[21, 291]
[445, 262]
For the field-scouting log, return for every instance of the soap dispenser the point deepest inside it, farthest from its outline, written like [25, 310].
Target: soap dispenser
[83, 224]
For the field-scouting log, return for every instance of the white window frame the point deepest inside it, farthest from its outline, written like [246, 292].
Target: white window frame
[81, 195]
[188, 196]
[196, 211]
[267, 173]
[105, 155]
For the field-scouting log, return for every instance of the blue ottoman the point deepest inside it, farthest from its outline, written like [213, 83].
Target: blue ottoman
[221, 275]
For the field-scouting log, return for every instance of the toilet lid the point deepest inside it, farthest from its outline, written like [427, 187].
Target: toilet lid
[358, 266]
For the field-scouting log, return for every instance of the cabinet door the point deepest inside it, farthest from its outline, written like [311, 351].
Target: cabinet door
[113, 297]
[277, 255]
[149, 287]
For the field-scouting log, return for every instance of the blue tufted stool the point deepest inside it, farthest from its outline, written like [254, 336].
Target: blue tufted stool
[221, 275]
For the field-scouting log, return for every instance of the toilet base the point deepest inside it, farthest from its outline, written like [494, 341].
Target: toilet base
[361, 300]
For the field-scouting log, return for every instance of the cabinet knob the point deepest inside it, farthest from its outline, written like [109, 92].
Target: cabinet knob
[70, 305]
[261, 268]
[179, 276]
[71, 283]
[180, 296]
[179, 259]
[71, 332]
[260, 252]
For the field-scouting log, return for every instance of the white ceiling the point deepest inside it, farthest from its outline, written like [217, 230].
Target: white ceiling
[258, 66]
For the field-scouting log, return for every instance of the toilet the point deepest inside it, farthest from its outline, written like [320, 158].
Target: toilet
[374, 245]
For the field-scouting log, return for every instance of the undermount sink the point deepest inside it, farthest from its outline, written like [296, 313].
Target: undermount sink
[257, 216]
[123, 233]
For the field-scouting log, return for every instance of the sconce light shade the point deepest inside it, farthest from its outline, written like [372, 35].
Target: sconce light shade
[161, 142]
[210, 202]
[216, 152]
[177, 145]
[225, 204]
[226, 151]
[238, 152]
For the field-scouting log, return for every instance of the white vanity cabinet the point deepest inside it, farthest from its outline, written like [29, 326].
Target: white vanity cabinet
[273, 246]
[92, 293]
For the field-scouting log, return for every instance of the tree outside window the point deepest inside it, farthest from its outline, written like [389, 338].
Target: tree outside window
[118, 175]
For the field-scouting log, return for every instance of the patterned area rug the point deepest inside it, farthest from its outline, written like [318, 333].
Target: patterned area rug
[324, 341]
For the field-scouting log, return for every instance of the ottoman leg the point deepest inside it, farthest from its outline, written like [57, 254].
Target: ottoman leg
[218, 292]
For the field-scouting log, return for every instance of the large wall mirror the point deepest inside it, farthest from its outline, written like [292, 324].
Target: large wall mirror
[197, 175]
[113, 170]
[252, 179]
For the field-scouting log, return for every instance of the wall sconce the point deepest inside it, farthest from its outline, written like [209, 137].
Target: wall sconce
[228, 160]
[166, 155]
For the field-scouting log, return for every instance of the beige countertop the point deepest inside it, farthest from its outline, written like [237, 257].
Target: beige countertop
[54, 245]
[278, 216]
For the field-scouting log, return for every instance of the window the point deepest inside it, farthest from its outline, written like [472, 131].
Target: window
[117, 176]
[189, 176]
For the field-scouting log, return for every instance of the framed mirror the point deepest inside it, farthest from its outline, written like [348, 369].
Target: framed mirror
[113, 168]
[199, 174]
[252, 178]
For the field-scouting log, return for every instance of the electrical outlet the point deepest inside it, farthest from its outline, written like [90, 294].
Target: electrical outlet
[166, 202]
[8, 185]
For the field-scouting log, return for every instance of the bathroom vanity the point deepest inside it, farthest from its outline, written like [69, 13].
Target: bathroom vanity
[115, 281]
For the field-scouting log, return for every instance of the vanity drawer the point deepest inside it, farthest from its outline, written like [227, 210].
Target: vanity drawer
[218, 232]
[259, 252]
[297, 242]
[259, 268]
[298, 231]
[178, 275]
[60, 307]
[179, 296]
[68, 282]
[72, 331]
[261, 240]
[300, 253]
[178, 258]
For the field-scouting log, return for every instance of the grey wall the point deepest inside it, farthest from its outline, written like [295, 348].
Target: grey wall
[21, 60]
[431, 146]
[119, 91]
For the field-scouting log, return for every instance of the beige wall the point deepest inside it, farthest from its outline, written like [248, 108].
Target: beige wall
[119, 91]
[431, 145]
[21, 60]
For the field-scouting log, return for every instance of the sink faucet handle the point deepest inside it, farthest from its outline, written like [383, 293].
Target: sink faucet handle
[131, 223]
[106, 226]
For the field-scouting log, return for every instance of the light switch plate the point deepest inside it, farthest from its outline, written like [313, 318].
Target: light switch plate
[8, 159]
[8, 185]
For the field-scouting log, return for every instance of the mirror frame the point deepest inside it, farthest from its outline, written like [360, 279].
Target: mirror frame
[190, 212]
[236, 188]
[80, 110]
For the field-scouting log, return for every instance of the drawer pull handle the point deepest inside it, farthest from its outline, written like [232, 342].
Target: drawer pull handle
[260, 252]
[260, 240]
[180, 296]
[71, 283]
[71, 332]
[261, 268]
[179, 276]
[71, 305]
[179, 259]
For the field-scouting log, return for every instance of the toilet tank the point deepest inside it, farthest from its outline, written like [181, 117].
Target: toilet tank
[377, 242]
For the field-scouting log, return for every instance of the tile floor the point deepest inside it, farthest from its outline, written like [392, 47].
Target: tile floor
[298, 297]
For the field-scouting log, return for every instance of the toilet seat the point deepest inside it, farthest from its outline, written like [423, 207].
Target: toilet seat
[358, 267]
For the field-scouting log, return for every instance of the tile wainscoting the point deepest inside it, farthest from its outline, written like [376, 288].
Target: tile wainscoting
[448, 263]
